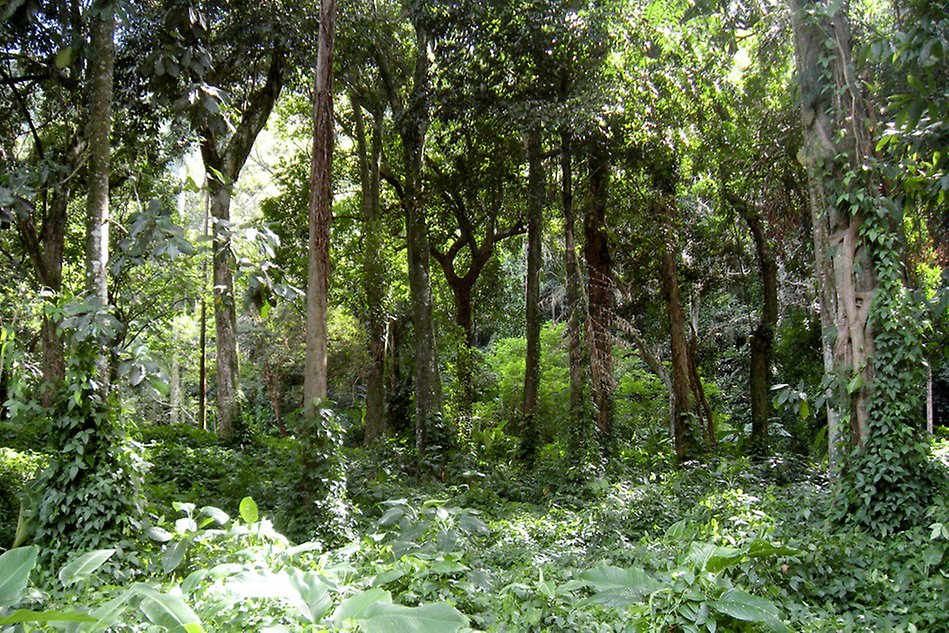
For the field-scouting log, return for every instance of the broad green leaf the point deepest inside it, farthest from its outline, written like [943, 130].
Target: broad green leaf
[383, 617]
[741, 605]
[167, 610]
[215, 514]
[314, 593]
[355, 606]
[158, 534]
[713, 558]
[248, 510]
[23, 615]
[64, 57]
[81, 568]
[761, 548]
[618, 587]
[109, 613]
[15, 568]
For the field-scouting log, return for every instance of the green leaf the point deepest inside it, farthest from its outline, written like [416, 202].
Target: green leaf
[15, 568]
[619, 587]
[713, 558]
[64, 57]
[167, 610]
[355, 607]
[81, 568]
[215, 514]
[248, 510]
[23, 615]
[741, 605]
[383, 617]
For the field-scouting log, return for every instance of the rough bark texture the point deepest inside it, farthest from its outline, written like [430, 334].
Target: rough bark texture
[762, 338]
[682, 407]
[227, 156]
[535, 211]
[320, 214]
[845, 272]
[599, 295]
[98, 132]
[373, 276]
[574, 307]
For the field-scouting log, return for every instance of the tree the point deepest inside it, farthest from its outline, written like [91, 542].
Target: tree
[320, 212]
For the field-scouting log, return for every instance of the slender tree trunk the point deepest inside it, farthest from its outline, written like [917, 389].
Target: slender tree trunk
[414, 127]
[682, 408]
[536, 188]
[373, 277]
[174, 398]
[226, 157]
[320, 213]
[698, 389]
[272, 381]
[600, 295]
[575, 351]
[203, 342]
[225, 315]
[845, 272]
[762, 338]
[98, 131]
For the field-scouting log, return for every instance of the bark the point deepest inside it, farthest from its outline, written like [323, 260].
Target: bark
[762, 338]
[227, 156]
[98, 132]
[373, 277]
[273, 381]
[174, 396]
[574, 307]
[599, 295]
[831, 103]
[535, 209]
[203, 342]
[682, 407]
[320, 214]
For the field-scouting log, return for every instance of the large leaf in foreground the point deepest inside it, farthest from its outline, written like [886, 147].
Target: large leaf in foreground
[84, 566]
[382, 617]
[168, 611]
[15, 568]
[741, 605]
[617, 586]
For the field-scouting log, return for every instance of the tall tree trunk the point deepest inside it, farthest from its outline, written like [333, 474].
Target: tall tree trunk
[536, 188]
[203, 337]
[413, 128]
[98, 131]
[600, 295]
[578, 430]
[373, 277]
[762, 338]
[174, 394]
[682, 407]
[224, 157]
[320, 213]
[830, 103]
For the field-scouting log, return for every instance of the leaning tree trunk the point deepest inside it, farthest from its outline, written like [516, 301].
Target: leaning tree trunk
[600, 295]
[535, 210]
[845, 273]
[98, 131]
[320, 215]
[373, 276]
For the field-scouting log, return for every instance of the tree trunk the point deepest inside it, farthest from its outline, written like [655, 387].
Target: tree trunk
[174, 394]
[682, 408]
[203, 336]
[600, 295]
[414, 126]
[536, 188]
[226, 157]
[845, 272]
[762, 338]
[98, 132]
[373, 276]
[320, 214]
[578, 430]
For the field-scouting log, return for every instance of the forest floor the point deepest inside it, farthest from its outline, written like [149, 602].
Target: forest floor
[724, 545]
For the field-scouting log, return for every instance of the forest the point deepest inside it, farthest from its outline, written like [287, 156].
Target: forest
[424, 316]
